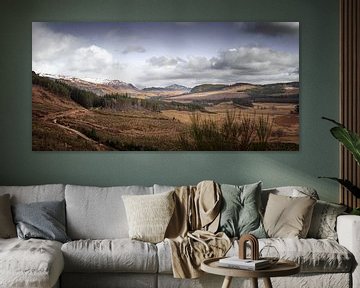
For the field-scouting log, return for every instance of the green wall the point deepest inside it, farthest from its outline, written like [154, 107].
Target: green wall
[319, 71]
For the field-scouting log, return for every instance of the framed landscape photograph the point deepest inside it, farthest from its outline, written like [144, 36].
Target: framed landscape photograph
[165, 86]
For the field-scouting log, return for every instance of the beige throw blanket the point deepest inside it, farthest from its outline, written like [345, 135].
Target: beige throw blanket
[192, 227]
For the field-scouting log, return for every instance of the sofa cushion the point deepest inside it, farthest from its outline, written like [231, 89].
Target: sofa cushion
[313, 255]
[149, 215]
[287, 216]
[7, 227]
[30, 263]
[36, 193]
[43, 220]
[117, 255]
[240, 210]
[291, 191]
[323, 222]
[163, 188]
[98, 213]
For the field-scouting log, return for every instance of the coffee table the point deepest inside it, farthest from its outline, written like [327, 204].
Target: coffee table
[281, 268]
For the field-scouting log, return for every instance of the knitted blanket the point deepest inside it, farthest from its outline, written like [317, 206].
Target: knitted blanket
[191, 232]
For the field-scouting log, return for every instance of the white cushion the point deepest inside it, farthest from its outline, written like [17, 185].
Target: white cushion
[30, 263]
[117, 255]
[98, 213]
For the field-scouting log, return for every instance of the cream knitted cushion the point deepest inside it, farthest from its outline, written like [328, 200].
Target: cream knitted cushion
[149, 215]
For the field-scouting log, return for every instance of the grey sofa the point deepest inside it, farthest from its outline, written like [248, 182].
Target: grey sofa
[101, 254]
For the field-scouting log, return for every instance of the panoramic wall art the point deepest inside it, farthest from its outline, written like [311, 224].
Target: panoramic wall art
[170, 86]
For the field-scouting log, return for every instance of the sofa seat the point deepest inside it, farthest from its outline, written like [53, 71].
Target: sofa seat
[30, 263]
[115, 255]
[313, 255]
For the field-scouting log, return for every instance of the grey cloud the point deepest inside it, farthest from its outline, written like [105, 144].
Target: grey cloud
[271, 28]
[134, 49]
[163, 61]
[254, 60]
[248, 64]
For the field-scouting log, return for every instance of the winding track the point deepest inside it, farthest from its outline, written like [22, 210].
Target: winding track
[73, 113]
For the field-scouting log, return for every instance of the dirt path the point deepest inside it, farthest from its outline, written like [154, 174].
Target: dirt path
[74, 113]
[99, 146]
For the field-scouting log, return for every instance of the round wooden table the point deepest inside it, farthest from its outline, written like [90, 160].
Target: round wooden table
[281, 268]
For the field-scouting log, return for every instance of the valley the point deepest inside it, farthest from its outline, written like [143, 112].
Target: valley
[78, 115]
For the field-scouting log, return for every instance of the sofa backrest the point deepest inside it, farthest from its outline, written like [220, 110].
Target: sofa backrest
[36, 193]
[163, 188]
[293, 191]
[98, 212]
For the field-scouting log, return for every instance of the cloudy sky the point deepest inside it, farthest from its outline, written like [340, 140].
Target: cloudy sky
[163, 53]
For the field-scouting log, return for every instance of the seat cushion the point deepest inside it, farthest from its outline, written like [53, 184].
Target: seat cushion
[117, 255]
[313, 255]
[98, 212]
[30, 263]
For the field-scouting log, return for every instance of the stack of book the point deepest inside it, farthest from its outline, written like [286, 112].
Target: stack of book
[248, 264]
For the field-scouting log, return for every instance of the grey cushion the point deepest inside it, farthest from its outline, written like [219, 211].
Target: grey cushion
[7, 227]
[44, 220]
[98, 213]
[323, 222]
[240, 213]
[117, 255]
[31, 263]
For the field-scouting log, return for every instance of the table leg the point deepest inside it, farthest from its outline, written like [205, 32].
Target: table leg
[254, 282]
[267, 283]
[227, 282]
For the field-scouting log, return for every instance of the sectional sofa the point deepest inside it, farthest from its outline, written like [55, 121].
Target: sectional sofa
[100, 253]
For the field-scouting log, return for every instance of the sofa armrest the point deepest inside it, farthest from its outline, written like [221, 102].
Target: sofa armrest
[348, 230]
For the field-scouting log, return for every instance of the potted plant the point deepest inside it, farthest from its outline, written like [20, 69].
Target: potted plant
[351, 141]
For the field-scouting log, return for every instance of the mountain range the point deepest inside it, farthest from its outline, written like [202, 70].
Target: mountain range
[102, 87]
[205, 92]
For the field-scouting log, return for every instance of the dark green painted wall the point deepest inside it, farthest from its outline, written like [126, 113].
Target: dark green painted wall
[318, 153]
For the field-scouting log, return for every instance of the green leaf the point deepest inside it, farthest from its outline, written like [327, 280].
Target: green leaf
[349, 139]
[347, 184]
[355, 211]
